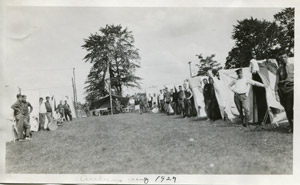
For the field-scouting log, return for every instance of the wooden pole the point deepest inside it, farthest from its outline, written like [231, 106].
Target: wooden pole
[75, 90]
[110, 96]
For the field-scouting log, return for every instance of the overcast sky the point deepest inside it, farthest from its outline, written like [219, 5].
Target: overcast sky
[43, 44]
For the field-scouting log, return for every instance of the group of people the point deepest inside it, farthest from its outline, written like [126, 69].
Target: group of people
[284, 90]
[45, 111]
[171, 102]
[22, 109]
[181, 102]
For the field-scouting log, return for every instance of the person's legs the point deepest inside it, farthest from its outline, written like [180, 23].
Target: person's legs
[238, 105]
[289, 107]
[245, 106]
[66, 115]
[27, 125]
[183, 107]
[20, 125]
[42, 117]
[70, 115]
[287, 101]
[208, 109]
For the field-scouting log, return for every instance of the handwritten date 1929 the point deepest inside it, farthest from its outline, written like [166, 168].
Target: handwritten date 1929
[165, 179]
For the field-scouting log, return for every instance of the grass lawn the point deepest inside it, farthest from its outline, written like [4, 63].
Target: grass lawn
[152, 144]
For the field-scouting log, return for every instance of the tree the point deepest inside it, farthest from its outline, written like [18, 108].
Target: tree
[206, 63]
[266, 39]
[286, 21]
[252, 35]
[113, 54]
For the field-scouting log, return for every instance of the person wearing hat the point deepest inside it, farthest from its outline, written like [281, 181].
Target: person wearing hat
[240, 87]
[284, 88]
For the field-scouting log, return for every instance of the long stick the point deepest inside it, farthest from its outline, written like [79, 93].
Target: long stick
[111, 104]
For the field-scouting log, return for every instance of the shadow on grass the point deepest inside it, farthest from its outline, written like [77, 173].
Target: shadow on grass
[198, 119]
[268, 129]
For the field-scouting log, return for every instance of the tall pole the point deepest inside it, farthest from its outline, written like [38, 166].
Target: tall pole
[73, 87]
[110, 97]
[75, 90]
[190, 69]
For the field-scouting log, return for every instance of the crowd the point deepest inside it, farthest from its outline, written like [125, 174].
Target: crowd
[181, 101]
[22, 109]
[171, 102]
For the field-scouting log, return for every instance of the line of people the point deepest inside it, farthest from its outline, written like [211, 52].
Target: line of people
[22, 110]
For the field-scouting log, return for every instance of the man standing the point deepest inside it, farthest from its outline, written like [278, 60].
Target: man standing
[154, 101]
[131, 104]
[25, 106]
[215, 113]
[150, 99]
[60, 110]
[19, 117]
[168, 100]
[173, 100]
[142, 104]
[284, 88]
[241, 89]
[67, 111]
[180, 100]
[161, 101]
[207, 98]
[48, 110]
[187, 101]
[42, 114]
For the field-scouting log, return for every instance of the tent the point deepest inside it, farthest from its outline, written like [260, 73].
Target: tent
[196, 85]
[105, 102]
[265, 72]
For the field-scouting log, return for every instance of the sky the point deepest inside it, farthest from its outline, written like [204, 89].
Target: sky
[43, 44]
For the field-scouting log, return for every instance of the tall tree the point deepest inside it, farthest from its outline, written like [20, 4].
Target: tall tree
[266, 39]
[286, 21]
[206, 63]
[111, 48]
[252, 35]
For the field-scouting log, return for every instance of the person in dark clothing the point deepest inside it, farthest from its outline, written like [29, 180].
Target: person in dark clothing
[26, 113]
[150, 100]
[142, 103]
[60, 109]
[167, 100]
[214, 106]
[284, 88]
[19, 117]
[48, 109]
[187, 101]
[67, 111]
[180, 100]
[207, 98]
[173, 100]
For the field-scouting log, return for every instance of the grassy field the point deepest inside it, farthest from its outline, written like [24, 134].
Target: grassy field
[152, 143]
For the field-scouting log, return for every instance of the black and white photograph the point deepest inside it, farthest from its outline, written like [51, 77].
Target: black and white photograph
[158, 90]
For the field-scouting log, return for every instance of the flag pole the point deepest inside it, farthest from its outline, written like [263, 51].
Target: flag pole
[110, 97]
